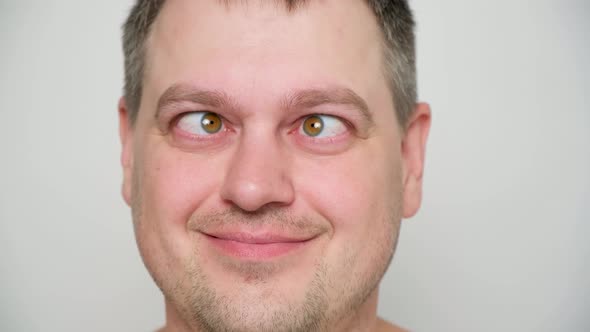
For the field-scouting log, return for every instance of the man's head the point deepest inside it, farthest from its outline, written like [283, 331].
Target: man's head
[270, 150]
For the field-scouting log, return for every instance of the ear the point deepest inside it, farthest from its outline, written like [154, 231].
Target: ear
[126, 136]
[413, 151]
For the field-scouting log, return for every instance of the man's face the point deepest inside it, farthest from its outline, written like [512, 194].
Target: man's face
[266, 169]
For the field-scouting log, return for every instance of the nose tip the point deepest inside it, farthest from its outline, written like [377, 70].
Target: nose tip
[251, 194]
[256, 178]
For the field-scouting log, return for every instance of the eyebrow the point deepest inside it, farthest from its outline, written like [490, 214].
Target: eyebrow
[178, 93]
[300, 99]
[310, 98]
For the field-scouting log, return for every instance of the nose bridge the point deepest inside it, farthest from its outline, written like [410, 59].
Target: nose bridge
[257, 155]
[258, 174]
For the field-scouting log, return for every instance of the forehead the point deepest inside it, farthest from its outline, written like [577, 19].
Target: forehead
[260, 47]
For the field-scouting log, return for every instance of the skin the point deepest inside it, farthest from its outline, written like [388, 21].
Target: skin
[346, 194]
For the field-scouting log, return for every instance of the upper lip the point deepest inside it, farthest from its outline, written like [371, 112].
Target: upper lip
[260, 237]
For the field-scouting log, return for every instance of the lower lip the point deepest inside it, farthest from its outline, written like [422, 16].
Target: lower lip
[255, 251]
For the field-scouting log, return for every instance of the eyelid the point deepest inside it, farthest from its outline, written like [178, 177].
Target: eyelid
[168, 115]
[325, 145]
[191, 141]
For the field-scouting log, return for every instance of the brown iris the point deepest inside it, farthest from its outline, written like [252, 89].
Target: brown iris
[313, 125]
[211, 123]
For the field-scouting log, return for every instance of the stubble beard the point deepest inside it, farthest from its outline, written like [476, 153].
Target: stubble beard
[204, 308]
[198, 301]
[250, 311]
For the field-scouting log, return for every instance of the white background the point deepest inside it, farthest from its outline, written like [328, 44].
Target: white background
[499, 245]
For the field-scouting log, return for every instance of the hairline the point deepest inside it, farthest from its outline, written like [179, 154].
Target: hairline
[402, 100]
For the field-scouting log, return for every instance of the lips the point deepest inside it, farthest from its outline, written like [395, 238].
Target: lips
[258, 238]
[258, 246]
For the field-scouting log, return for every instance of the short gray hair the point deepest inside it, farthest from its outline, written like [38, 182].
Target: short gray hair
[394, 16]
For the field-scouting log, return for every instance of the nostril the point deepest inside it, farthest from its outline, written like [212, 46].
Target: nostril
[251, 195]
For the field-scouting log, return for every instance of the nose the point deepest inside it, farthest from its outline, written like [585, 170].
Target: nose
[258, 175]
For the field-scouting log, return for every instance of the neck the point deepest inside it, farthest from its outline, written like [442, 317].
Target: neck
[174, 322]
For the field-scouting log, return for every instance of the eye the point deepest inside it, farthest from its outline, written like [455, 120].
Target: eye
[319, 126]
[200, 123]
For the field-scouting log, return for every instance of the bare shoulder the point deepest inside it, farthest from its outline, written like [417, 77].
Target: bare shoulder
[385, 326]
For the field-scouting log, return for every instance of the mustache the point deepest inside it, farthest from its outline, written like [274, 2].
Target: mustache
[274, 217]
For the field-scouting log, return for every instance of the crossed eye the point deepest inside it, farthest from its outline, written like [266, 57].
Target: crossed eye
[208, 123]
[200, 123]
[320, 125]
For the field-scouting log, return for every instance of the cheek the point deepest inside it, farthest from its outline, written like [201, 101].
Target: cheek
[173, 185]
[359, 194]
[355, 191]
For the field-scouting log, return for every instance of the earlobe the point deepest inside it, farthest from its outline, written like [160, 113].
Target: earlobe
[413, 155]
[126, 137]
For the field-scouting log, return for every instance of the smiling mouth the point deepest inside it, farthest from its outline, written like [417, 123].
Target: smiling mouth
[256, 247]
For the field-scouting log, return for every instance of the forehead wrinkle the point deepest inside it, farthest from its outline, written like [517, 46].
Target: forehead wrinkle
[310, 98]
